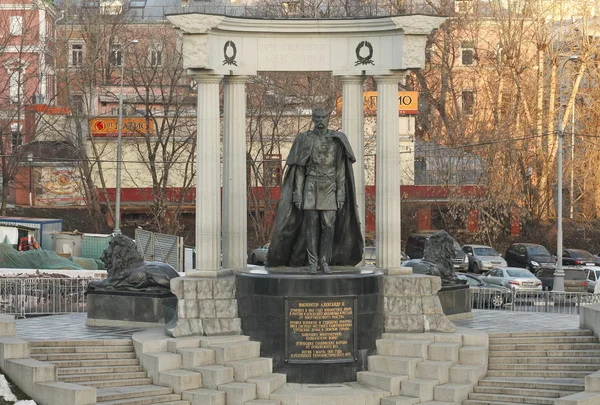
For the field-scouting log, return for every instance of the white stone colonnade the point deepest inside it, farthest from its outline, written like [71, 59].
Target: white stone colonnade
[229, 49]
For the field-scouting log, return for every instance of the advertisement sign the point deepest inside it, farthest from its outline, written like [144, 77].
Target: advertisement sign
[132, 126]
[59, 186]
[408, 103]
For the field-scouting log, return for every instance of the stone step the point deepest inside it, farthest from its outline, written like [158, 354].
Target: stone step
[385, 381]
[196, 356]
[156, 399]
[444, 352]
[566, 384]
[250, 368]
[263, 402]
[566, 332]
[452, 392]
[545, 353]
[204, 396]
[419, 388]
[101, 376]
[80, 342]
[544, 340]
[98, 370]
[394, 364]
[81, 349]
[434, 370]
[437, 403]
[403, 347]
[510, 398]
[545, 360]
[475, 355]
[546, 374]
[180, 380]
[266, 384]
[352, 393]
[524, 392]
[237, 350]
[95, 363]
[400, 400]
[545, 366]
[112, 394]
[206, 341]
[117, 383]
[467, 373]
[546, 346]
[477, 402]
[215, 375]
[238, 393]
[83, 356]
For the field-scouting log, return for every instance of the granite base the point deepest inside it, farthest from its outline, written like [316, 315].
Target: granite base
[115, 308]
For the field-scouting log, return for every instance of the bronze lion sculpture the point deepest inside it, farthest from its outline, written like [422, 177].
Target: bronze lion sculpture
[127, 270]
[437, 259]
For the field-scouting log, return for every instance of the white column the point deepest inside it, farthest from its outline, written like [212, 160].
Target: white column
[407, 149]
[235, 209]
[387, 169]
[353, 125]
[208, 175]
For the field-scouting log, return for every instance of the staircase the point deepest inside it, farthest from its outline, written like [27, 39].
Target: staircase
[536, 367]
[109, 365]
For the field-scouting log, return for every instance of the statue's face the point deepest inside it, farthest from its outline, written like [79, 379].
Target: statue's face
[320, 119]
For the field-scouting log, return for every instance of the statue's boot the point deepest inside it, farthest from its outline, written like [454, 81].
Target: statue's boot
[326, 268]
[313, 269]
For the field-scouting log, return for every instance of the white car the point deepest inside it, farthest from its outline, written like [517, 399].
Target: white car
[514, 278]
[259, 255]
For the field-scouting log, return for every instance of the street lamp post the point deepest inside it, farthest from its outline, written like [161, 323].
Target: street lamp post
[30, 163]
[117, 229]
[559, 274]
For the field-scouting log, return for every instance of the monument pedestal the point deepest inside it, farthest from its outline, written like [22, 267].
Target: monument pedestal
[317, 328]
[132, 309]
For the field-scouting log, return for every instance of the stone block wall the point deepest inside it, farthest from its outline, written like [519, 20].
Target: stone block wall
[411, 304]
[206, 306]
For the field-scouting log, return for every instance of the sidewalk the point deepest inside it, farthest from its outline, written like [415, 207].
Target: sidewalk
[72, 326]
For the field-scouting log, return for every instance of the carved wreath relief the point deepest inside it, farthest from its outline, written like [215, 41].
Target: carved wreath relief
[230, 53]
[361, 60]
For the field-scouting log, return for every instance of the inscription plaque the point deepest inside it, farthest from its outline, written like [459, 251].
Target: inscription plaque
[320, 330]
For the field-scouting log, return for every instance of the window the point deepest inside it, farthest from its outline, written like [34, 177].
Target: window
[116, 55]
[468, 102]
[16, 136]
[272, 170]
[505, 104]
[463, 6]
[110, 7]
[76, 54]
[16, 85]
[16, 25]
[467, 53]
[155, 55]
[78, 104]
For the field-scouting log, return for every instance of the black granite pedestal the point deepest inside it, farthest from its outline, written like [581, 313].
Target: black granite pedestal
[456, 301]
[127, 308]
[319, 328]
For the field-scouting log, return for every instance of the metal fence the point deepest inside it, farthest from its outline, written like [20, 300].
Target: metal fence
[532, 301]
[42, 296]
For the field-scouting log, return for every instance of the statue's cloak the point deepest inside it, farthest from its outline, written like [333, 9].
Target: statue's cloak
[288, 244]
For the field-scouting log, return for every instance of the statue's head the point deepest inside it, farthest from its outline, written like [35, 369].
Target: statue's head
[120, 254]
[439, 249]
[320, 118]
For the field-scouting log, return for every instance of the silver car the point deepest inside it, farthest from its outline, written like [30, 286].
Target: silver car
[483, 258]
[259, 255]
[593, 277]
[514, 278]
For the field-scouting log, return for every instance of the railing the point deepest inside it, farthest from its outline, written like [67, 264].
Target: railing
[42, 296]
[532, 301]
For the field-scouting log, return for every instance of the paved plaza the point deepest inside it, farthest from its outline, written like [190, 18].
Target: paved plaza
[72, 326]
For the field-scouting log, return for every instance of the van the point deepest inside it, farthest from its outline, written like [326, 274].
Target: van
[415, 247]
[575, 279]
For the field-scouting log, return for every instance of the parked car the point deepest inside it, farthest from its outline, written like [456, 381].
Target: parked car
[579, 257]
[593, 277]
[514, 278]
[529, 256]
[415, 246]
[259, 255]
[575, 279]
[485, 294]
[483, 258]
[371, 254]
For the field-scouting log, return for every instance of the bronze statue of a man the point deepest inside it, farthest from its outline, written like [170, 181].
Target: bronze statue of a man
[317, 219]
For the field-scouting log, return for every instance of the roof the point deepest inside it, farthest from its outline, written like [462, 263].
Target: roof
[50, 151]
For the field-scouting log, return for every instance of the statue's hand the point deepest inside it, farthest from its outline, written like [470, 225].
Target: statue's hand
[298, 205]
[340, 205]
